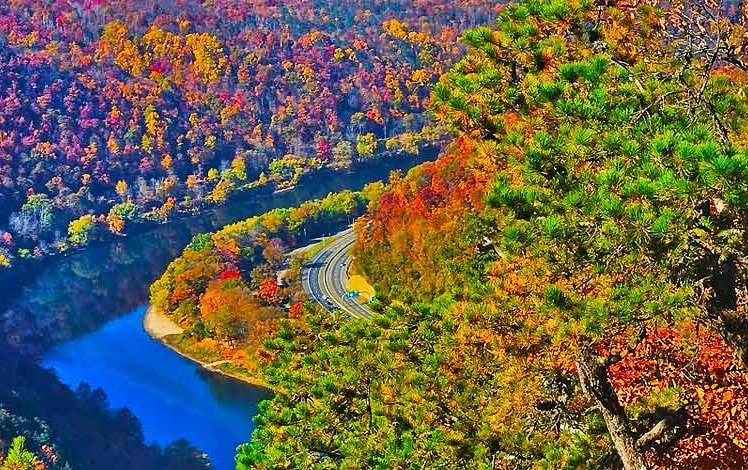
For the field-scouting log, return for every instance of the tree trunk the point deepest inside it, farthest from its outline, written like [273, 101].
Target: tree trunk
[594, 378]
[733, 324]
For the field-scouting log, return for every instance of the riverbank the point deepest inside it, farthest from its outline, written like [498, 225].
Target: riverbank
[160, 327]
[24, 270]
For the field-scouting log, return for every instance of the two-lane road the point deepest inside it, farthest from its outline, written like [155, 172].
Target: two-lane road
[324, 277]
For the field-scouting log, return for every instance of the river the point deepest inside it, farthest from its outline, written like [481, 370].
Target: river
[82, 315]
[171, 396]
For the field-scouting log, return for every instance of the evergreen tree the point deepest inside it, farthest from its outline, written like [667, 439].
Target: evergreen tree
[567, 308]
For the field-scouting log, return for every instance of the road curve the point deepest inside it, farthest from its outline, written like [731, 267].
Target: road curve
[324, 276]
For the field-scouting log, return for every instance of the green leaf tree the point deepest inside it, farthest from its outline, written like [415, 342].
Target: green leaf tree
[19, 458]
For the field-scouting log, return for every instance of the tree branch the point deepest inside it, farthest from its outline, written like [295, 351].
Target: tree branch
[667, 424]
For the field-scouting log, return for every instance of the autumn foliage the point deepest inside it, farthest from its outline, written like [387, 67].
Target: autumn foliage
[173, 106]
[225, 290]
[565, 287]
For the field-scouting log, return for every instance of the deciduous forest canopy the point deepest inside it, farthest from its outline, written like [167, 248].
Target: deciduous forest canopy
[564, 287]
[114, 112]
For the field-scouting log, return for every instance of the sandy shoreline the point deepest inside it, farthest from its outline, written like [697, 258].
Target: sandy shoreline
[159, 326]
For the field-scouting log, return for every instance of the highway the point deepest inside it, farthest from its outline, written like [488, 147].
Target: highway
[324, 276]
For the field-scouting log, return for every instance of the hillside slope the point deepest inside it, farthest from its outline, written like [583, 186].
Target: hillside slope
[113, 113]
[565, 287]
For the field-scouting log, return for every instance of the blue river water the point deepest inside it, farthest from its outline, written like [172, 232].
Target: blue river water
[173, 397]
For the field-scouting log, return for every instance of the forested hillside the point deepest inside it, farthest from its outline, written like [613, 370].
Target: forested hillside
[566, 286]
[115, 112]
[228, 290]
